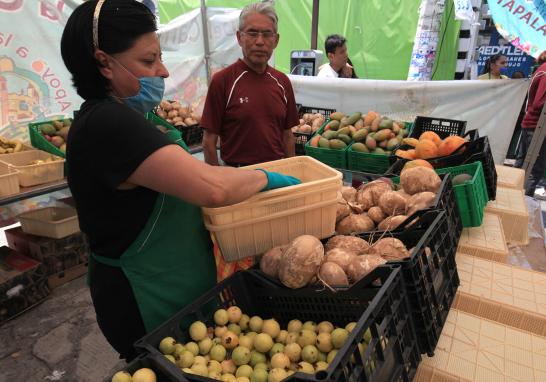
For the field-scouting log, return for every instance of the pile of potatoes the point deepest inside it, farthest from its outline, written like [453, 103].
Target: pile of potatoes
[177, 114]
[343, 261]
[379, 205]
[309, 123]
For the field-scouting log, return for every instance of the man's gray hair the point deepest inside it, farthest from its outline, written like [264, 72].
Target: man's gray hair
[265, 8]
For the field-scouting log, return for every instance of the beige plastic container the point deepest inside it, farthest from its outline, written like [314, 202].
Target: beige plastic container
[506, 294]
[35, 174]
[276, 217]
[511, 207]
[471, 348]
[9, 180]
[53, 222]
[510, 177]
[486, 241]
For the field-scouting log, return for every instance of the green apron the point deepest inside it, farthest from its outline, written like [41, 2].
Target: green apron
[171, 262]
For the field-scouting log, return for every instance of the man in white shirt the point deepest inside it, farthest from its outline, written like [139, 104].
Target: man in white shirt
[336, 50]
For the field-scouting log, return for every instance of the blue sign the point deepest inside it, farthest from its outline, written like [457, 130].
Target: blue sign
[518, 61]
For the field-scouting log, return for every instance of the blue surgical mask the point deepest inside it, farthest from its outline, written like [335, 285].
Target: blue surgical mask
[504, 70]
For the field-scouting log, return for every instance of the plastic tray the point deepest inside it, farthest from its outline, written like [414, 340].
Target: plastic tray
[38, 140]
[486, 241]
[431, 281]
[511, 207]
[441, 126]
[172, 133]
[9, 180]
[392, 355]
[34, 174]
[331, 157]
[153, 362]
[53, 222]
[303, 138]
[471, 196]
[510, 177]
[476, 349]
[502, 293]
[276, 217]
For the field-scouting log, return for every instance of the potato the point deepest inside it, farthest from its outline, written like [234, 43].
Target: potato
[165, 105]
[350, 244]
[340, 257]
[362, 265]
[403, 194]
[419, 179]
[343, 210]
[390, 248]
[377, 188]
[302, 122]
[300, 261]
[317, 123]
[364, 198]
[392, 203]
[305, 129]
[173, 113]
[333, 275]
[420, 201]
[349, 193]
[354, 224]
[190, 121]
[392, 222]
[162, 113]
[307, 117]
[269, 263]
[376, 214]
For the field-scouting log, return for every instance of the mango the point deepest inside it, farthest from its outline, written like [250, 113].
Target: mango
[337, 116]
[385, 124]
[345, 138]
[360, 147]
[395, 128]
[382, 144]
[392, 143]
[345, 130]
[330, 134]
[379, 150]
[360, 135]
[332, 125]
[375, 124]
[324, 143]
[382, 135]
[314, 141]
[404, 132]
[353, 118]
[352, 130]
[337, 144]
[371, 143]
[48, 129]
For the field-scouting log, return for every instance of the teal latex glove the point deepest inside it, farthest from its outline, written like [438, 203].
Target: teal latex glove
[277, 180]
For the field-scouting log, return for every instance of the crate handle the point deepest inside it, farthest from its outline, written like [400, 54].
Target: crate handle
[216, 228]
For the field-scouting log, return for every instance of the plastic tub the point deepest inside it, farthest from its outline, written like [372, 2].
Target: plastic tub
[510, 177]
[34, 174]
[486, 241]
[276, 217]
[53, 222]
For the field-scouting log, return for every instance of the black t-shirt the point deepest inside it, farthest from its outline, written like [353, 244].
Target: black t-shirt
[106, 143]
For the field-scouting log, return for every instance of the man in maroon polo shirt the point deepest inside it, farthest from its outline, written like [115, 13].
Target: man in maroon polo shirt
[249, 104]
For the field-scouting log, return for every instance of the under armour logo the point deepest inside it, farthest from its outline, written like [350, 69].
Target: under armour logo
[243, 100]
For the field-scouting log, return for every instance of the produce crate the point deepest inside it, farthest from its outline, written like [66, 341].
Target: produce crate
[511, 207]
[486, 241]
[331, 157]
[431, 280]
[499, 292]
[35, 174]
[392, 354]
[63, 277]
[53, 222]
[303, 138]
[510, 177]
[38, 140]
[154, 362]
[476, 349]
[471, 196]
[9, 180]
[441, 126]
[192, 135]
[276, 217]
[445, 197]
[172, 132]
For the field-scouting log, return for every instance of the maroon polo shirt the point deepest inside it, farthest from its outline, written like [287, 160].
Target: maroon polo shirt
[250, 112]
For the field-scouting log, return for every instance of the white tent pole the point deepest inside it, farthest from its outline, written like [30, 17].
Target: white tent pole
[204, 22]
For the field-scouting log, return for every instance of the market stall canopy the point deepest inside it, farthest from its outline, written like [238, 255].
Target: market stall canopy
[522, 23]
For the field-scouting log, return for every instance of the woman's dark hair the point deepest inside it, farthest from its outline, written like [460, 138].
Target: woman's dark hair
[491, 60]
[332, 42]
[121, 22]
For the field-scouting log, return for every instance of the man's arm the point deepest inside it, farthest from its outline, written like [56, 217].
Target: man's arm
[289, 143]
[210, 141]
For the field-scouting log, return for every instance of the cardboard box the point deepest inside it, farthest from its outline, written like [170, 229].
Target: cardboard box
[61, 278]
[23, 283]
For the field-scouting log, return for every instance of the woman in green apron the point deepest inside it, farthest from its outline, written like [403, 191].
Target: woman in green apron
[138, 193]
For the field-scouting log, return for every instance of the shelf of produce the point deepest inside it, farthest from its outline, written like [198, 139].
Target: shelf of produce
[30, 192]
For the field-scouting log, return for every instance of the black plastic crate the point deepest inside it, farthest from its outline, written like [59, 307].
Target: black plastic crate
[431, 281]
[441, 126]
[192, 135]
[155, 363]
[478, 150]
[303, 138]
[381, 306]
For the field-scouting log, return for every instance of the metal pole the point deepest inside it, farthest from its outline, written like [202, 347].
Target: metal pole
[314, 24]
[204, 22]
[536, 143]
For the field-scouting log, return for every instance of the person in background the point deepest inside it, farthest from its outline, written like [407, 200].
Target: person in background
[336, 50]
[518, 74]
[535, 103]
[250, 106]
[495, 68]
[138, 194]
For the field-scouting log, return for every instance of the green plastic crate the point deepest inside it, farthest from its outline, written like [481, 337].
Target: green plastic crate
[331, 157]
[38, 140]
[174, 134]
[471, 196]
